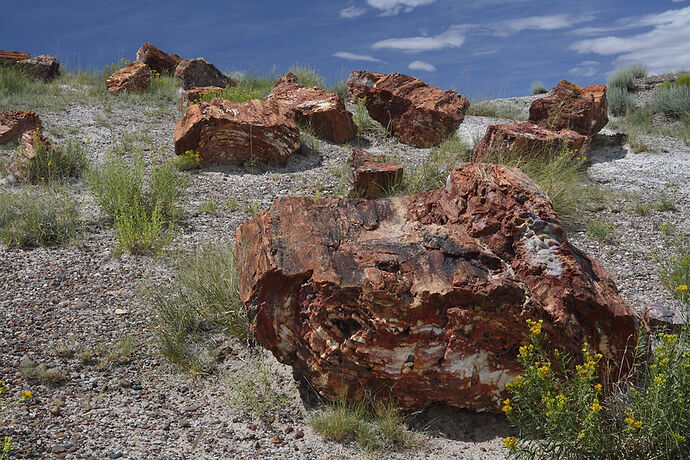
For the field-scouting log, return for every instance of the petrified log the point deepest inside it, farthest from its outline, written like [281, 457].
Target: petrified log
[373, 178]
[424, 298]
[12, 57]
[199, 72]
[43, 67]
[156, 59]
[359, 83]
[13, 123]
[134, 77]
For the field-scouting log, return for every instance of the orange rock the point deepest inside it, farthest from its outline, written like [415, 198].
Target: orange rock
[224, 132]
[199, 72]
[156, 59]
[359, 83]
[12, 57]
[134, 77]
[325, 112]
[13, 123]
[372, 178]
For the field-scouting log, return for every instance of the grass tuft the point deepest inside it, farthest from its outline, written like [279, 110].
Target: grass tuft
[432, 173]
[307, 76]
[252, 388]
[538, 88]
[52, 164]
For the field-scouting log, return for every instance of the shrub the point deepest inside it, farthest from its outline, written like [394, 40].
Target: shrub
[673, 101]
[495, 110]
[538, 88]
[252, 389]
[619, 100]
[623, 78]
[307, 76]
[339, 88]
[675, 273]
[565, 411]
[43, 219]
[54, 163]
[683, 80]
[602, 232]
[432, 173]
[188, 161]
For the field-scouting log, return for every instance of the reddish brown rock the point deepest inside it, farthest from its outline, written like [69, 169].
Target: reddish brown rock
[359, 83]
[325, 112]
[132, 78]
[26, 152]
[525, 139]
[424, 298]
[13, 123]
[418, 114]
[373, 178]
[224, 132]
[568, 106]
[43, 67]
[12, 57]
[199, 72]
[156, 59]
[190, 96]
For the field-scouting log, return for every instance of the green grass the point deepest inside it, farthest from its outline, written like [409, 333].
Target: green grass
[252, 388]
[307, 76]
[339, 88]
[495, 110]
[683, 80]
[432, 173]
[207, 207]
[623, 78]
[603, 232]
[233, 93]
[56, 163]
[42, 218]
[675, 272]
[538, 88]
[364, 122]
[203, 298]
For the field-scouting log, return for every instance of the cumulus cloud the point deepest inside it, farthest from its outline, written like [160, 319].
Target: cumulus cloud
[393, 7]
[352, 12]
[454, 37]
[665, 46]
[421, 65]
[552, 22]
[355, 57]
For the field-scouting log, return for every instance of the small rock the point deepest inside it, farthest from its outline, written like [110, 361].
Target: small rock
[289, 430]
[276, 439]
[137, 386]
[121, 311]
[58, 449]
[54, 410]
[185, 424]
[124, 383]
[299, 434]
[115, 455]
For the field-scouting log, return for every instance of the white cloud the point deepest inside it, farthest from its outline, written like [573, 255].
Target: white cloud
[421, 65]
[553, 22]
[355, 57]
[484, 53]
[452, 38]
[352, 12]
[393, 7]
[665, 47]
[586, 69]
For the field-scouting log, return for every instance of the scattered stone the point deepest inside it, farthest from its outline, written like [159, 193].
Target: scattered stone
[54, 410]
[58, 449]
[276, 439]
[156, 59]
[185, 424]
[12, 57]
[426, 295]
[120, 311]
[360, 82]
[289, 429]
[525, 139]
[115, 455]
[192, 95]
[224, 132]
[124, 383]
[568, 106]
[14, 123]
[417, 113]
[299, 434]
[372, 178]
[43, 67]
[132, 78]
[324, 112]
[199, 72]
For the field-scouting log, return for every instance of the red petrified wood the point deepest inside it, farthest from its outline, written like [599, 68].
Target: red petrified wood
[373, 178]
[359, 83]
[224, 132]
[13, 123]
[199, 72]
[568, 106]
[418, 114]
[424, 298]
[134, 77]
[325, 112]
[156, 59]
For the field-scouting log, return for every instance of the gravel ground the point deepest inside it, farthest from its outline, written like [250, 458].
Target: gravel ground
[59, 304]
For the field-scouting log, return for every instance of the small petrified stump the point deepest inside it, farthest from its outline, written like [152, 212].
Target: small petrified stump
[224, 132]
[525, 140]
[132, 78]
[373, 178]
[156, 59]
[568, 106]
[325, 112]
[424, 298]
[359, 83]
[417, 113]
[43, 67]
[13, 123]
[199, 72]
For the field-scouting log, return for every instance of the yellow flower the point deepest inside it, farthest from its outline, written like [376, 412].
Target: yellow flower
[510, 442]
[595, 407]
[597, 387]
[507, 408]
[632, 423]
[682, 287]
[535, 326]
[581, 435]
[26, 394]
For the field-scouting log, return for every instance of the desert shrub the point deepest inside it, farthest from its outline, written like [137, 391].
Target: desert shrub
[207, 207]
[252, 388]
[683, 80]
[495, 110]
[54, 163]
[432, 173]
[188, 161]
[603, 232]
[307, 76]
[203, 297]
[232, 93]
[339, 88]
[364, 122]
[538, 88]
[37, 219]
[623, 78]
[564, 410]
[673, 101]
[619, 100]
[675, 272]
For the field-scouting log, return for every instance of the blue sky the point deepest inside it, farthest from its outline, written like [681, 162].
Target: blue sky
[481, 48]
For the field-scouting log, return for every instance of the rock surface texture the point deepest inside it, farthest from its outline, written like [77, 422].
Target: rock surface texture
[424, 297]
[156, 59]
[43, 67]
[568, 106]
[525, 139]
[325, 112]
[13, 123]
[373, 178]
[132, 78]
[199, 72]
[418, 114]
[189, 96]
[224, 132]
[359, 83]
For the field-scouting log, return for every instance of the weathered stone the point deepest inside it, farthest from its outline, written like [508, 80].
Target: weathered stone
[373, 178]
[424, 298]
[13, 123]
[12, 57]
[224, 132]
[418, 114]
[359, 83]
[525, 139]
[156, 59]
[568, 106]
[325, 112]
[134, 77]
[199, 72]
[192, 95]
[26, 152]
[658, 317]
[43, 67]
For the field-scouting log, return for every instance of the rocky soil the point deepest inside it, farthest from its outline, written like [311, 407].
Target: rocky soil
[57, 305]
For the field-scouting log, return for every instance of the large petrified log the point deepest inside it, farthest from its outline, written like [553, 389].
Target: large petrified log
[325, 112]
[417, 113]
[199, 72]
[568, 106]
[224, 132]
[156, 59]
[13, 123]
[424, 298]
